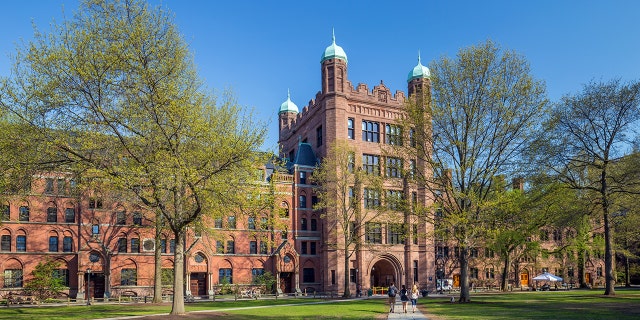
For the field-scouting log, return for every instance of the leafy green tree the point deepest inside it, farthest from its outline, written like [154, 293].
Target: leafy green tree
[45, 282]
[265, 280]
[485, 109]
[114, 90]
[588, 133]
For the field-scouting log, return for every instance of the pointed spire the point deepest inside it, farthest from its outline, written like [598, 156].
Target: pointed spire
[288, 94]
[419, 57]
[333, 35]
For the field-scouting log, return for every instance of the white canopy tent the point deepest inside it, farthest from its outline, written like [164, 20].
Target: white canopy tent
[547, 277]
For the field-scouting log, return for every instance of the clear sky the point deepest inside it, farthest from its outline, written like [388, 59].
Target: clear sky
[259, 49]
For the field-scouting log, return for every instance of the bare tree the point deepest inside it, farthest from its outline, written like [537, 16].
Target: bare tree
[484, 111]
[588, 133]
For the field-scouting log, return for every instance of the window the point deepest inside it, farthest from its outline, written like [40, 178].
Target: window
[373, 232]
[442, 252]
[370, 131]
[303, 177]
[599, 271]
[251, 223]
[412, 168]
[24, 213]
[333, 277]
[351, 161]
[395, 233]
[319, 136]
[52, 214]
[489, 273]
[352, 230]
[225, 275]
[217, 223]
[371, 164]
[353, 275]
[95, 203]
[4, 212]
[121, 218]
[48, 185]
[5, 243]
[489, 253]
[412, 137]
[219, 246]
[69, 215]
[61, 187]
[253, 247]
[129, 277]
[135, 245]
[303, 247]
[21, 243]
[13, 278]
[231, 247]
[172, 246]
[308, 275]
[303, 202]
[303, 224]
[394, 199]
[53, 244]
[314, 225]
[393, 135]
[122, 245]
[415, 234]
[255, 272]
[473, 273]
[264, 223]
[63, 275]
[263, 247]
[473, 252]
[393, 167]
[95, 229]
[163, 245]
[312, 247]
[231, 222]
[557, 235]
[415, 271]
[371, 198]
[351, 128]
[137, 218]
[67, 244]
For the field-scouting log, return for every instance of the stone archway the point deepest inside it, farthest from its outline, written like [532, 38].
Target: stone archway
[385, 271]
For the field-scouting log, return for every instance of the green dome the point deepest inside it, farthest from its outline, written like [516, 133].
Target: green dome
[288, 106]
[419, 71]
[334, 51]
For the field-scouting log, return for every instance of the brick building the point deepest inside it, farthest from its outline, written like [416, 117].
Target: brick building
[114, 238]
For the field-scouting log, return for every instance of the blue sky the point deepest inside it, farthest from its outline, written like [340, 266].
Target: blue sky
[259, 49]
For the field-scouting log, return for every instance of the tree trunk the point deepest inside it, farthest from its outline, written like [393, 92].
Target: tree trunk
[178, 274]
[609, 263]
[157, 279]
[581, 269]
[627, 276]
[347, 291]
[464, 276]
[505, 273]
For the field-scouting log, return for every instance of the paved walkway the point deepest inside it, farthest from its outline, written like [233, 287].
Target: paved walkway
[398, 314]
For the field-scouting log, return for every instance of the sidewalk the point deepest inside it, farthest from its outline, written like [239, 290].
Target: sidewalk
[409, 315]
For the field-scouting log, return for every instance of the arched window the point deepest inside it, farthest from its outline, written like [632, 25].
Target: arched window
[303, 202]
[24, 213]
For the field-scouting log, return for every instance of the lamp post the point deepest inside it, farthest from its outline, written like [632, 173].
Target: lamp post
[88, 286]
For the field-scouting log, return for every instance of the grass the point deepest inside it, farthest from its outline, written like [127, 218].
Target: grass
[575, 304]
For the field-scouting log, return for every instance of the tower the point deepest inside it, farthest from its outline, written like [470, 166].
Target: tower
[334, 68]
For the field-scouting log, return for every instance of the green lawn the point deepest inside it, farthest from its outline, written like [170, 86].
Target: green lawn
[575, 304]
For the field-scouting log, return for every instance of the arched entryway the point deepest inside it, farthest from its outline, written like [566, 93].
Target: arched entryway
[385, 270]
[524, 278]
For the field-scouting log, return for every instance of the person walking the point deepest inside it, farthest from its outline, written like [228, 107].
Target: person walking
[392, 291]
[404, 297]
[414, 298]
